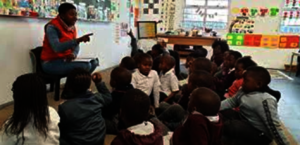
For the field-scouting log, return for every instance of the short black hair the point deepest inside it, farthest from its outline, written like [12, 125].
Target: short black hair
[201, 79]
[206, 101]
[259, 74]
[220, 44]
[128, 63]
[235, 54]
[65, 7]
[121, 76]
[202, 64]
[135, 106]
[246, 62]
[143, 57]
[202, 51]
[158, 48]
[170, 61]
[78, 81]
[197, 54]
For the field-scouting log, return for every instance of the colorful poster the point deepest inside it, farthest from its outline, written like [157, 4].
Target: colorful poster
[124, 29]
[92, 10]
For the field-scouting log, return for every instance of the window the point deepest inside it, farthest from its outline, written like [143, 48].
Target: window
[206, 13]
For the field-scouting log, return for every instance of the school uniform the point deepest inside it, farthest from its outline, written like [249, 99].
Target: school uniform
[169, 83]
[31, 134]
[256, 122]
[147, 84]
[199, 130]
[81, 118]
[110, 113]
[145, 133]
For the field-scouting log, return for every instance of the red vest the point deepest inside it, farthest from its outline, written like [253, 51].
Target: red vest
[66, 35]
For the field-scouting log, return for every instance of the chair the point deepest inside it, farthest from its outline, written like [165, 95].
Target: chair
[53, 80]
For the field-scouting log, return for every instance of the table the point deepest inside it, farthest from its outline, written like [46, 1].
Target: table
[186, 40]
[293, 54]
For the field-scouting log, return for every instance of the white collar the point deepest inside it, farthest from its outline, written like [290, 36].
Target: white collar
[145, 128]
[150, 75]
[214, 119]
[168, 72]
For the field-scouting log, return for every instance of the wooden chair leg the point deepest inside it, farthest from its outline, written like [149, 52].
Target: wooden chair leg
[51, 87]
[57, 90]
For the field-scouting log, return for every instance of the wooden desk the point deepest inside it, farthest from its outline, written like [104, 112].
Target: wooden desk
[185, 40]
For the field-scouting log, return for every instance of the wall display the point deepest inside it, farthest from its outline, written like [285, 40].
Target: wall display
[151, 7]
[290, 18]
[267, 41]
[168, 8]
[243, 25]
[124, 29]
[253, 12]
[252, 40]
[94, 10]
[147, 29]
[263, 12]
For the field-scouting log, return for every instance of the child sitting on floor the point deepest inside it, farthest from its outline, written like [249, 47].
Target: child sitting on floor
[120, 81]
[219, 48]
[147, 79]
[257, 121]
[169, 82]
[128, 63]
[81, 121]
[241, 66]
[134, 113]
[33, 122]
[196, 79]
[227, 78]
[201, 64]
[203, 125]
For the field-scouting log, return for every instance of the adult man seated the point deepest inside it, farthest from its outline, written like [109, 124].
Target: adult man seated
[61, 45]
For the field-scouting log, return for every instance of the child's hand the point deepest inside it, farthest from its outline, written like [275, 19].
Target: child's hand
[97, 78]
[130, 33]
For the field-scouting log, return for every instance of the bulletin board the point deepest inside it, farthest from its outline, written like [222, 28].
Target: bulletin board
[147, 29]
[92, 10]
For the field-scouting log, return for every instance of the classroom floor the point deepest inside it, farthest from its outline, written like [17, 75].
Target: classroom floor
[289, 108]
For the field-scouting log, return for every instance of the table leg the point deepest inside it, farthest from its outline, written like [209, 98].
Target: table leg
[291, 65]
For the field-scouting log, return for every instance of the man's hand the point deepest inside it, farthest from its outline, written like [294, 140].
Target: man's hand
[84, 38]
[97, 78]
[70, 57]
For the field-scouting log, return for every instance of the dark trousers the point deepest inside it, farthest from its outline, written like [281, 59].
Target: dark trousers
[239, 131]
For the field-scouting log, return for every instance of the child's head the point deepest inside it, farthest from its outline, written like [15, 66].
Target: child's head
[156, 50]
[30, 104]
[128, 63]
[167, 62]
[200, 79]
[192, 56]
[219, 48]
[78, 81]
[145, 64]
[201, 64]
[231, 58]
[256, 79]
[242, 65]
[135, 107]
[205, 101]
[120, 77]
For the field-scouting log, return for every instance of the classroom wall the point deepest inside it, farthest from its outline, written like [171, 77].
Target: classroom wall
[19, 35]
[270, 58]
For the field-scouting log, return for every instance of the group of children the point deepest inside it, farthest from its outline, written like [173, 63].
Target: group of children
[226, 101]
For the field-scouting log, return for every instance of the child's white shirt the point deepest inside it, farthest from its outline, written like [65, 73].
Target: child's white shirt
[169, 82]
[32, 136]
[147, 84]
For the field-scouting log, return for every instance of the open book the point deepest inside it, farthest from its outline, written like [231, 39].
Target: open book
[83, 59]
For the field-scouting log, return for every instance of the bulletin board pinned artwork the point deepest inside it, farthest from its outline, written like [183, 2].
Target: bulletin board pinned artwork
[243, 25]
[266, 41]
[92, 10]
